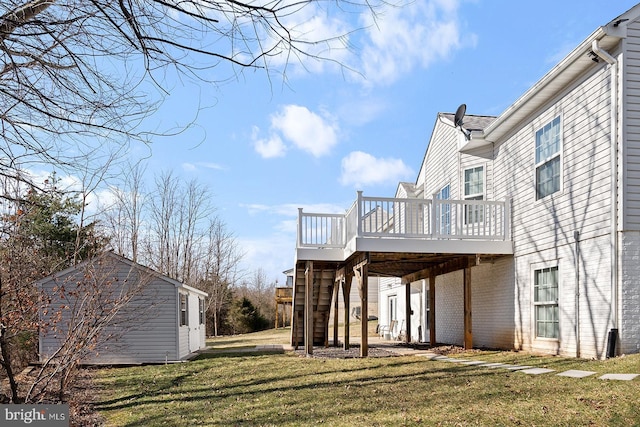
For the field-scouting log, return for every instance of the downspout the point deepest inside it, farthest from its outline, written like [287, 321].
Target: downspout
[614, 194]
[576, 238]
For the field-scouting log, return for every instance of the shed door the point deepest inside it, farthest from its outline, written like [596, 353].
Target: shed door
[194, 324]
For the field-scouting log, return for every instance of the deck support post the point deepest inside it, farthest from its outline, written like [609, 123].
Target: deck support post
[468, 335]
[408, 312]
[432, 310]
[361, 272]
[346, 294]
[336, 289]
[308, 308]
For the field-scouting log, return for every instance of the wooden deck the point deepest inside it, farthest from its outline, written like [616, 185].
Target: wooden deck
[411, 239]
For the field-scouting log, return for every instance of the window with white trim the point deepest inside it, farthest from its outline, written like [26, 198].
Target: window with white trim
[184, 315]
[444, 210]
[474, 190]
[201, 310]
[545, 297]
[548, 159]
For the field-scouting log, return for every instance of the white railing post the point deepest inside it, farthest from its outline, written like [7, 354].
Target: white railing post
[434, 216]
[359, 212]
[507, 219]
[299, 227]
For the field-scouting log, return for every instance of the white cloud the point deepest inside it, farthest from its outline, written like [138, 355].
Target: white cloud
[413, 35]
[270, 147]
[360, 169]
[194, 167]
[305, 129]
[314, 133]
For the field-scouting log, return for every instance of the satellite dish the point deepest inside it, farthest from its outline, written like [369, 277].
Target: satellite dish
[462, 109]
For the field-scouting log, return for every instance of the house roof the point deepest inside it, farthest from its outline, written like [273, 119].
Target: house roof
[132, 264]
[471, 122]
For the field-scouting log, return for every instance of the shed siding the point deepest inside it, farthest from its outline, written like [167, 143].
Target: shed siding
[147, 335]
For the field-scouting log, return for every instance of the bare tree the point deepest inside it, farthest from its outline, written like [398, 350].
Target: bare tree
[179, 234]
[82, 312]
[177, 218]
[124, 217]
[76, 75]
[221, 271]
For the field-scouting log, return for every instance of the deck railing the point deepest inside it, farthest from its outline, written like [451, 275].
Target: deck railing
[385, 217]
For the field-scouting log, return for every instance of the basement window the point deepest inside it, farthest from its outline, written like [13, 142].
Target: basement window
[545, 296]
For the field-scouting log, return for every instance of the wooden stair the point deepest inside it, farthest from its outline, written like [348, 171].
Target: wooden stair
[322, 296]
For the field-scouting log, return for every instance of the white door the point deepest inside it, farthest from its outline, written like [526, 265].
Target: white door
[194, 324]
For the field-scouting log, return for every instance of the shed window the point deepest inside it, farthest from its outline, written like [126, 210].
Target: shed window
[184, 317]
[201, 310]
[548, 164]
[546, 302]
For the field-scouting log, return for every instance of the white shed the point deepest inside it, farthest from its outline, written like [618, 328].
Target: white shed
[142, 315]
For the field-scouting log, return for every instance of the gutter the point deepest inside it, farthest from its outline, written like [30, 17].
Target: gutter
[614, 188]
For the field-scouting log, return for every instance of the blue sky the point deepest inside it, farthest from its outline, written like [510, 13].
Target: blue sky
[267, 146]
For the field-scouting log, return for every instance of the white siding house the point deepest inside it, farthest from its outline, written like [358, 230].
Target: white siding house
[158, 320]
[528, 230]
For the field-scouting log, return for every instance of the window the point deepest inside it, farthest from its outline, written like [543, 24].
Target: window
[474, 190]
[183, 310]
[545, 290]
[444, 211]
[548, 170]
[201, 310]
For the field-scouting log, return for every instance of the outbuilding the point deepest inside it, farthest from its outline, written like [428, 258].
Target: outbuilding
[116, 311]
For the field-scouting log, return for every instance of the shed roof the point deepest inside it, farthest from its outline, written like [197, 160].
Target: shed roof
[130, 263]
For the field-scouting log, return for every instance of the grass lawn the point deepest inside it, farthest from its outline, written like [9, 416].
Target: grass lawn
[230, 389]
[271, 336]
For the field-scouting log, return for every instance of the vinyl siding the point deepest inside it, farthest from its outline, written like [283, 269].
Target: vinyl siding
[543, 230]
[583, 201]
[480, 157]
[631, 140]
[595, 298]
[441, 166]
[143, 332]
